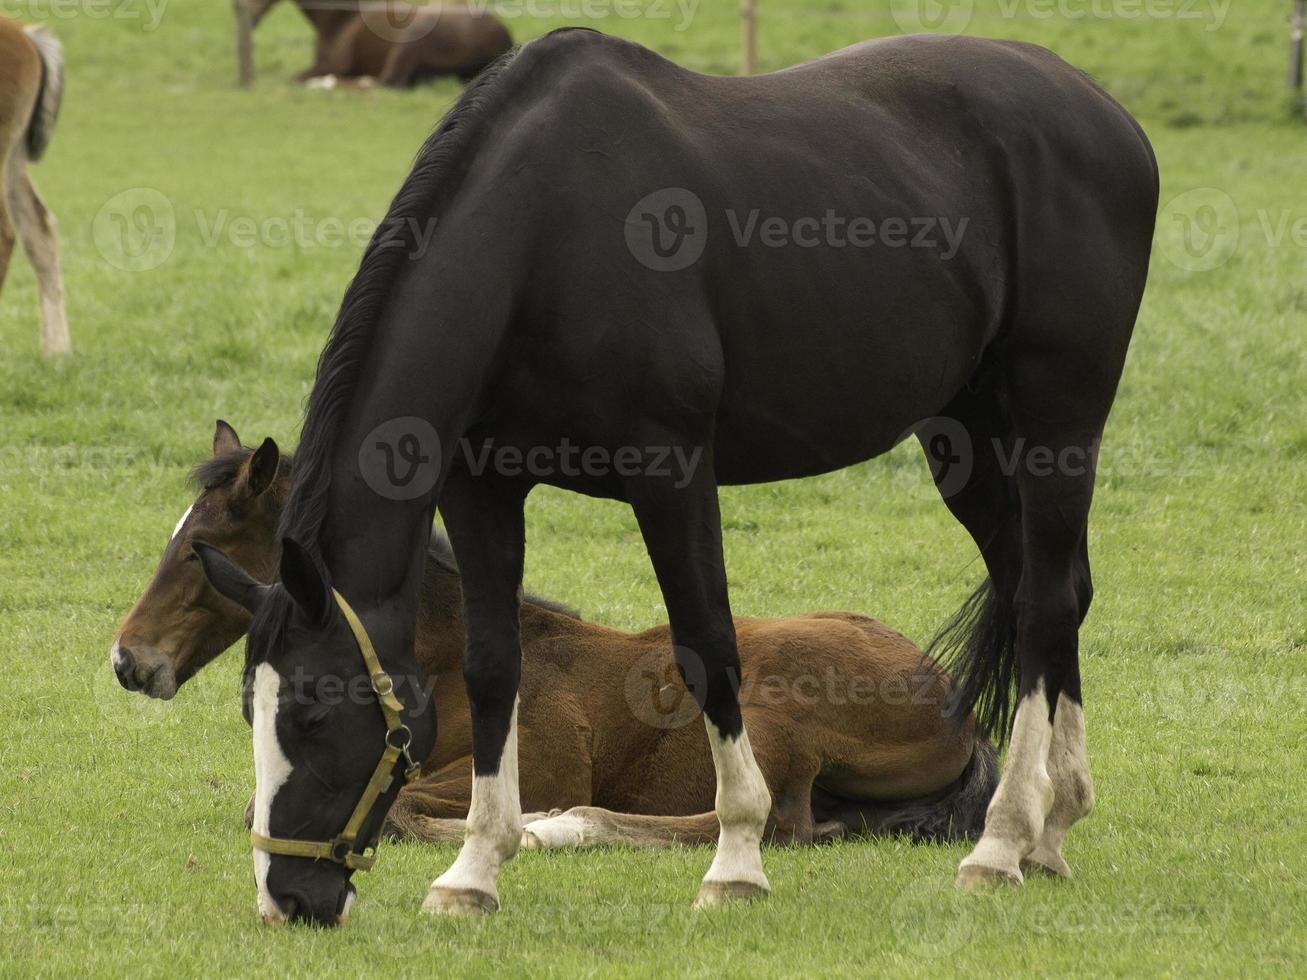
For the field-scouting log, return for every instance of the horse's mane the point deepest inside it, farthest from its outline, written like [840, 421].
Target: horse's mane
[434, 175]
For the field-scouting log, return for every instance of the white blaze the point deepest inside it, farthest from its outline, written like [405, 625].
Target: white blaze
[178, 529]
[271, 770]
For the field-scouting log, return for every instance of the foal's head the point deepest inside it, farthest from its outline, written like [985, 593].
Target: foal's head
[181, 622]
[319, 730]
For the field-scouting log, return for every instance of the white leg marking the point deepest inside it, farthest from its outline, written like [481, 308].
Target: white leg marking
[271, 770]
[1073, 789]
[494, 832]
[1024, 796]
[182, 523]
[743, 804]
[565, 830]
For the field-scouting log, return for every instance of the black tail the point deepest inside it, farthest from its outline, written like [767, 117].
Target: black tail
[958, 813]
[978, 650]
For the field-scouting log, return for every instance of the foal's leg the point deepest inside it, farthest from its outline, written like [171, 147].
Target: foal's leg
[681, 526]
[37, 229]
[6, 233]
[485, 522]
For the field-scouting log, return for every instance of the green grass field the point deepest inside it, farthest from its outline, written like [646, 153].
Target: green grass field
[121, 844]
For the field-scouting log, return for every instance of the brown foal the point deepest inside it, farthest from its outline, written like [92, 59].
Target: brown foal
[31, 86]
[846, 716]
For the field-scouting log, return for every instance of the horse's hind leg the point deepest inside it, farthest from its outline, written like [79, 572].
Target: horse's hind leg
[681, 526]
[38, 230]
[1058, 417]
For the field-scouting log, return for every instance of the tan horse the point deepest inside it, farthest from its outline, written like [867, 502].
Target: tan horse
[395, 43]
[31, 87]
[845, 714]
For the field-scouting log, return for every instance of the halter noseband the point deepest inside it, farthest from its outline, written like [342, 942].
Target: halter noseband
[341, 849]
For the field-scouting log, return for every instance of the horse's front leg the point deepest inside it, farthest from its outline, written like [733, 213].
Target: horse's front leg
[681, 526]
[485, 522]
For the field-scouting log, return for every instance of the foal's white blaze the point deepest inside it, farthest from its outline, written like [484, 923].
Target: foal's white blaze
[743, 804]
[115, 655]
[271, 770]
[182, 523]
[1021, 803]
[494, 832]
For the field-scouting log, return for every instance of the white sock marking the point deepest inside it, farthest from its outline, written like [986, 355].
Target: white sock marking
[1025, 793]
[743, 804]
[494, 826]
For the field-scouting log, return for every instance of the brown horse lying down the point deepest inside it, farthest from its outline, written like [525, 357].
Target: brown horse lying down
[398, 44]
[845, 714]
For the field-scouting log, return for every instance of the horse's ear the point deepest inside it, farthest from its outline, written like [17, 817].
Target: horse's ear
[305, 581]
[229, 578]
[225, 439]
[263, 467]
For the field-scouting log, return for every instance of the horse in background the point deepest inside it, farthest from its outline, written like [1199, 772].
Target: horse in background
[31, 88]
[397, 44]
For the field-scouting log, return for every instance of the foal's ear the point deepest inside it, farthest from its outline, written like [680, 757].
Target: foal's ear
[225, 439]
[305, 581]
[263, 467]
[229, 578]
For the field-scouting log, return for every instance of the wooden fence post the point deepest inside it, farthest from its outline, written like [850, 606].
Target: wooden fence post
[244, 44]
[748, 36]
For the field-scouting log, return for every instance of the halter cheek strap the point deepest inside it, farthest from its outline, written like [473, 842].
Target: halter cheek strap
[345, 847]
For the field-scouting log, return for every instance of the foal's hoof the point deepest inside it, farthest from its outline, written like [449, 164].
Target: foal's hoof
[459, 901]
[979, 878]
[1047, 863]
[714, 893]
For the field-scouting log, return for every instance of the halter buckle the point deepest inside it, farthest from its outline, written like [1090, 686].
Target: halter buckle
[383, 685]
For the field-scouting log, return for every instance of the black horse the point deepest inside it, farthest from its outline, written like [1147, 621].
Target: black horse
[690, 281]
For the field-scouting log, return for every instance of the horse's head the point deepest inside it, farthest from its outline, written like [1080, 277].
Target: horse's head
[323, 716]
[181, 622]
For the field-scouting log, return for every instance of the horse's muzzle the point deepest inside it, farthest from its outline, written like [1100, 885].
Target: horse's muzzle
[148, 672]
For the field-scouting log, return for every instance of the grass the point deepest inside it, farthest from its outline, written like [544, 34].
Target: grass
[121, 848]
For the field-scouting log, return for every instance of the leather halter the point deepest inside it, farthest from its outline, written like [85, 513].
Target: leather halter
[346, 848]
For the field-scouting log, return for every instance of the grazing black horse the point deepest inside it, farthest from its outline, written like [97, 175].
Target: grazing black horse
[659, 270]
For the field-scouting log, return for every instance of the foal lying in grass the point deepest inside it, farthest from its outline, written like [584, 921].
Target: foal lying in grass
[846, 716]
